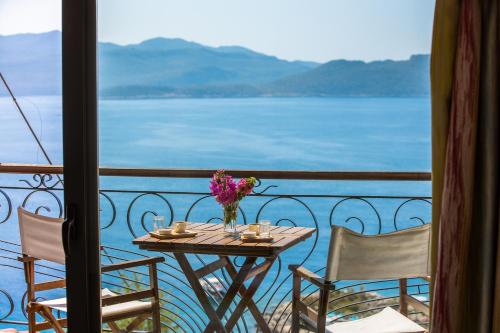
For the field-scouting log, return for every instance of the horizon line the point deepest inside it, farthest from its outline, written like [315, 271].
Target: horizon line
[222, 46]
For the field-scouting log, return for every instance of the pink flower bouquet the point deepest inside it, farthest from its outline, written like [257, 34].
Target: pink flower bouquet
[228, 194]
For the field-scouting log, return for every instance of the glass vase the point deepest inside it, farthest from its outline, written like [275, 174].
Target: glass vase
[231, 218]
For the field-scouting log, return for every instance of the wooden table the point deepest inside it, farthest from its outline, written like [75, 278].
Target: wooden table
[212, 240]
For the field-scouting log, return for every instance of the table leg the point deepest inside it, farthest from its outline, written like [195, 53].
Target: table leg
[233, 289]
[247, 299]
[215, 320]
[259, 318]
[247, 271]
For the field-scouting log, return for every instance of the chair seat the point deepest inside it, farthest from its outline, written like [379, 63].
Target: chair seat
[386, 321]
[109, 311]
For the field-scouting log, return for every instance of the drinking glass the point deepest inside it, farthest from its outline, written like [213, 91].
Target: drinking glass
[159, 222]
[265, 228]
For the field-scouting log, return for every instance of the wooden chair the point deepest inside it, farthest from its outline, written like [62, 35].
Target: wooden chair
[41, 238]
[351, 256]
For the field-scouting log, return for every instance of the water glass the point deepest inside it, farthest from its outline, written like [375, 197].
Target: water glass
[265, 228]
[159, 222]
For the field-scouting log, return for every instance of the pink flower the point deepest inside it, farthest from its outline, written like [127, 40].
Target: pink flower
[223, 187]
[226, 191]
[245, 186]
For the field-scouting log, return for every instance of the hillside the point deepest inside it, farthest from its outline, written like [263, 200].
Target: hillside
[32, 63]
[357, 78]
[165, 68]
[180, 64]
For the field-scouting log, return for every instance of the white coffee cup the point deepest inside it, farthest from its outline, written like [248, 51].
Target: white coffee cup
[180, 227]
[255, 228]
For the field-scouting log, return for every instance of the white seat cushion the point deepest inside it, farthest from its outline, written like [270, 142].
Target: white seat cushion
[107, 311]
[386, 321]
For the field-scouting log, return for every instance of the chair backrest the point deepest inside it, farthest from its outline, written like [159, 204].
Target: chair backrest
[41, 236]
[397, 255]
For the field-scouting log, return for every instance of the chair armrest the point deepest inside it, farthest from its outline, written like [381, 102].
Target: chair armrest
[302, 310]
[133, 296]
[310, 276]
[131, 263]
[25, 258]
[405, 299]
[49, 285]
[417, 304]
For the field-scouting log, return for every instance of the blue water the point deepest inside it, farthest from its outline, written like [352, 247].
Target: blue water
[265, 133]
[254, 133]
[375, 134]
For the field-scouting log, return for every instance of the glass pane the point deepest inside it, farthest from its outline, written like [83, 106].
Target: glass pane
[30, 63]
[261, 85]
[327, 85]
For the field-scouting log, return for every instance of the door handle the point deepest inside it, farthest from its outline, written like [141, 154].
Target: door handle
[68, 228]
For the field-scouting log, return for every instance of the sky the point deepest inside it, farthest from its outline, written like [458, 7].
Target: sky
[315, 30]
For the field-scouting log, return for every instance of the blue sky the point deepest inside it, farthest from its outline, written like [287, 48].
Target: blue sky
[318, 30]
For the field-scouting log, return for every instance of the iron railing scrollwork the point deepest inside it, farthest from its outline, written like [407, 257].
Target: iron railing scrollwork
[126, 214]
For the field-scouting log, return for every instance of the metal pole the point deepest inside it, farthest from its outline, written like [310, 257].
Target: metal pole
[27, 122]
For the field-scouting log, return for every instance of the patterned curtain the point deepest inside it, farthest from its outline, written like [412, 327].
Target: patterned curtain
[466, 166]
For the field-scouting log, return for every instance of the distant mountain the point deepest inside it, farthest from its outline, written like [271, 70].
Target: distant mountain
[357, 78]
[176, 63]
[32, 63]
[335, 78]
[163, 67]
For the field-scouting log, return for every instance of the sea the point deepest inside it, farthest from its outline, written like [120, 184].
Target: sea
[322, 134]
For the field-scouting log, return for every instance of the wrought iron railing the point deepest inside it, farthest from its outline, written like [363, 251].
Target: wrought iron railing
[130, 197]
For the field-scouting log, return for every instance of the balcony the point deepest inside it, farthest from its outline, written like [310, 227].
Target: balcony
[362, 201]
